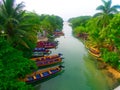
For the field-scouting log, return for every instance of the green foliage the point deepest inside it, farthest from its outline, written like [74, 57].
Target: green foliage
[79, 29]
[13, 21]
[50, 23]
[110, 57]
[13, 66]
[79, 21]
[106, 12]
[103, 31]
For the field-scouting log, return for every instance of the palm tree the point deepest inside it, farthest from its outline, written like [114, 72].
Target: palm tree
[12, 17]
[107, 11]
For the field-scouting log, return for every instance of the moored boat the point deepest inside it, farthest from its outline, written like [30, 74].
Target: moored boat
[59, 55]
[94, 52]
[46, 62]
[40, 54]
[41, 50]
[41, 74]
[58, 33]
[46, 44]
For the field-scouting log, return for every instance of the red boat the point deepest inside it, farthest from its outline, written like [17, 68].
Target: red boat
[48, 60]
[46, 44]
[48, 57]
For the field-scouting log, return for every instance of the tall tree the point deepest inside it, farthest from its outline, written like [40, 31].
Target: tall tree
[107, 11]
[12, 17]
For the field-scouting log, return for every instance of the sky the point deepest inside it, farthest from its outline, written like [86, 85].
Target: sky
[64, 8]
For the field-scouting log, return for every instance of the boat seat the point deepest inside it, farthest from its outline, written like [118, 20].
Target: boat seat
[50, 72]
[38, 76]
[39, 62]
[45, 74]
[53, 71]
[46, 62]
[34, 77]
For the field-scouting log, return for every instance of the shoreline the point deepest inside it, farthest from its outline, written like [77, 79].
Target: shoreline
[111, 72]
[114, 74]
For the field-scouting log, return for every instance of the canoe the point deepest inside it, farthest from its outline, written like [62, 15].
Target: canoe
[48, 57]
[94, 52]
[58, 33]
[40, 54]
[48, 62]
[97, 55]
[41, 74]
[46, 44]
[41, 50]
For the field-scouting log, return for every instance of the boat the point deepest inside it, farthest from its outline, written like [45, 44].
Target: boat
[47, 57]
[94, 52]
[46, 44]
[48, 60]
[37, 54]
[41, 74]
[40, 54]
[58, 33]
[41, 50]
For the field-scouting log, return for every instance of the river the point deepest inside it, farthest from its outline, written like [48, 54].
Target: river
[80, 72]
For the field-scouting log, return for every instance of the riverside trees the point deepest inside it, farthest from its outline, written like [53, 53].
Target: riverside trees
[18, 38]
[103, 30]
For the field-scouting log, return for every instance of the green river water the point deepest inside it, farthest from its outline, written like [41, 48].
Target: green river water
[80, 72]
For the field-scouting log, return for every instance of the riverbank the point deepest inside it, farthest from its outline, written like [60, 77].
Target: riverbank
[113, 73]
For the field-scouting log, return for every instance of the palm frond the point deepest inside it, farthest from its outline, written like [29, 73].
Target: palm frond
[112, 11]
[98, 14]
[101, 8]
[116, 6]
[108, 4]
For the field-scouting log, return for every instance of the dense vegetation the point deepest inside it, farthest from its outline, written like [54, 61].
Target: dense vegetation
[102, 30]
[18, 37]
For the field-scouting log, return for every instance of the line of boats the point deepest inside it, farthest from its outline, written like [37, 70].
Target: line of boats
[41, 56]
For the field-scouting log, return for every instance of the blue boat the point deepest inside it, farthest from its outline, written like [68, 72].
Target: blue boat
[41, 74]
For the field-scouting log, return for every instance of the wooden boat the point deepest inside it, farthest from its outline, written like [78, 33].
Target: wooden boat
[94, 52]
[41, 74]
[40, 54]
[41, 50]
[58, 33]
[37, 54]
[40, 63]
[46, 44]
[48, 57]
[48, 60]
